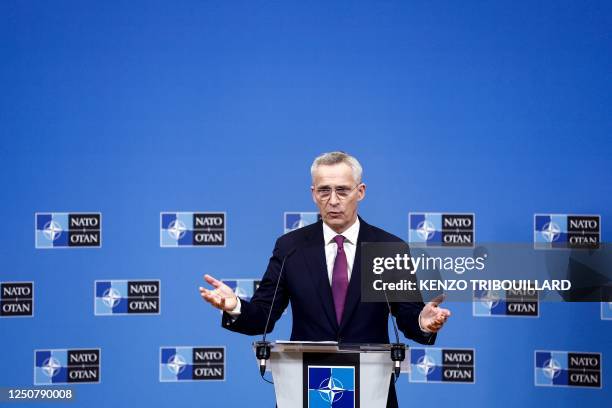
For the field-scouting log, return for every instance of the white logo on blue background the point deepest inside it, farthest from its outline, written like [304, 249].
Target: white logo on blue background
[176, 364]
[331, 387]
[68, 230]
[111, 298]
[425, 228]
[66, 366]
[488, 303]
[126, 297]
[179, 364]
[437, 365]
[192, 229]
[295, 220]
[425, 365]
[441, 229]
[566, 231]
[551, 368]
[567, 369]
[550, 230]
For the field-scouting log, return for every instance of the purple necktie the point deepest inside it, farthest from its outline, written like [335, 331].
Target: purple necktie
[340, 278]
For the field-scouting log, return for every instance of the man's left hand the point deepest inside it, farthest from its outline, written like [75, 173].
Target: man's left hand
[433, 317]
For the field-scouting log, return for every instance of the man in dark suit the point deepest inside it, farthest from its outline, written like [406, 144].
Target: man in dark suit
[321, 276]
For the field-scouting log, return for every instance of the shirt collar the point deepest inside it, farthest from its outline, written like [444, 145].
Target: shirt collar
[350, 234]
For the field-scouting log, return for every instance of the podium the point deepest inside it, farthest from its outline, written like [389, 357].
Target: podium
[328, 374]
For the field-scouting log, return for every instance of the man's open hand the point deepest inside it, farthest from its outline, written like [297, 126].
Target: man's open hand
[222, 297]
[433, 317]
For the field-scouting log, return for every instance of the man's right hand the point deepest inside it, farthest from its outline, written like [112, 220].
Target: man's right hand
[222, 297]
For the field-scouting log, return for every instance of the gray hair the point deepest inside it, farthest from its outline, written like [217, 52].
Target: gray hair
[331, 158]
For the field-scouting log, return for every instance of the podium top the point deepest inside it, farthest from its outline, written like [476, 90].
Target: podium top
[281, 346]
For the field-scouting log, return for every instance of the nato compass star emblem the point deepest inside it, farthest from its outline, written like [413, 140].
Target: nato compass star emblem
[177, 229]
[551, 231]
[490, 299]
[111, 297]
[552, 368]
[426, 230]
[176, 364]
[331, 390]
[426, 365]
[51, 367]
[52, 230]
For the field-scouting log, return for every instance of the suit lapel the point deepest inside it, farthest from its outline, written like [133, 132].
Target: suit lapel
[314, 255]
[353, 297]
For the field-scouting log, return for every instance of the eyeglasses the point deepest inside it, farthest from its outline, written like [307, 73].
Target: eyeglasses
[325, 193]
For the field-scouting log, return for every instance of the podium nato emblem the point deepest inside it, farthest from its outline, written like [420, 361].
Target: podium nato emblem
[66, 366]
[559, 231]
[441, 229]
[331, 387]
[192, 229]
[180, 364]
[567, 369]
[68, 230]
[330, 380]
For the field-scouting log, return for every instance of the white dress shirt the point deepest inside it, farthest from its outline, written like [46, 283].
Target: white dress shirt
[331, 248]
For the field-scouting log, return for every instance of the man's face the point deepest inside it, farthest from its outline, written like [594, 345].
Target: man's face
[337, 211]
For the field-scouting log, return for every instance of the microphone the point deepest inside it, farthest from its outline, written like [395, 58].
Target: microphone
[398, 350]
[262, 348]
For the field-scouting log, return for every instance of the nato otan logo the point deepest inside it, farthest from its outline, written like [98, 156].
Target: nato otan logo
[126, 297]
[441, 229]
[16, 299]
[566, 231]
[437, 365]
[606, 310]
[331, 386]
[68, 230]
[295, 220]
[515, 303]
[192, 229]
[243, 288]
[66, 366]
[178, 364]
[567, 369]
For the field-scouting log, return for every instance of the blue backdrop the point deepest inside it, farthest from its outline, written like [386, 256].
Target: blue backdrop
[133, 108]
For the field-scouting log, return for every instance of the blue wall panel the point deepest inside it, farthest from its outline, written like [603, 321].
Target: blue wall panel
[133, 108]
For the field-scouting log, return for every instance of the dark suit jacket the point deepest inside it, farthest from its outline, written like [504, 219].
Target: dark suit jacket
[305, 283]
